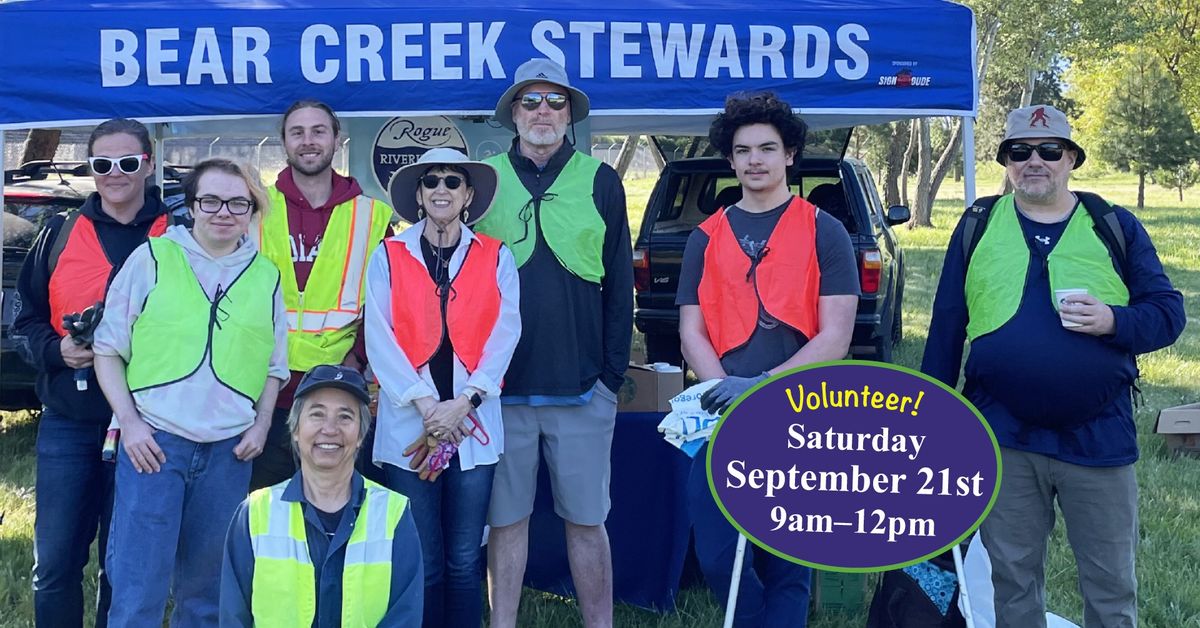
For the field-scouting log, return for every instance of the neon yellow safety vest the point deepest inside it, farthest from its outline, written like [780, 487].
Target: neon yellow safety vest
[179, 329]
[567, 217]
[997, 272]
[284, 589]
[324, 319]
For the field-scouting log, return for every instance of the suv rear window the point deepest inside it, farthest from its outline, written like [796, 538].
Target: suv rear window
[698, 195]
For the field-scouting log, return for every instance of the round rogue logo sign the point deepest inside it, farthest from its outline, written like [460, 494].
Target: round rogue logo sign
[402, 141]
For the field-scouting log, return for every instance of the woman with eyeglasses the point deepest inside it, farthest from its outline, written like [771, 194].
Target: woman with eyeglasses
[67, 271]
[442, 321]
[191, 353]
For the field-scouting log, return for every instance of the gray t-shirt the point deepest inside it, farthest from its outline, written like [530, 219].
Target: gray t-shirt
[772, 342]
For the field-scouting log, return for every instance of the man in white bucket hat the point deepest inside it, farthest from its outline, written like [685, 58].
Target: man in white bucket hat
[562, 213]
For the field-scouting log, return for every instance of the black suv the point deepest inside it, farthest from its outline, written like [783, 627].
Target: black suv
[32, 194]
[689, 190]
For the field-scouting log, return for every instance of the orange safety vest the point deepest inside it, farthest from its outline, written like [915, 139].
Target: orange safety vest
[471, 309]
[80, 276]
[786, 280]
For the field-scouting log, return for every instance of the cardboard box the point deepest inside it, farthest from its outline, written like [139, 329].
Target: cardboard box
[647, 390]
[1180, 426]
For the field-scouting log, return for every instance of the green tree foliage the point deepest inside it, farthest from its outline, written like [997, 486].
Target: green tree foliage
[1179, 178]
[1147, 128]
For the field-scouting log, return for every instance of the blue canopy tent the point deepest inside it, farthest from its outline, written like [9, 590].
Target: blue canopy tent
[649, 66]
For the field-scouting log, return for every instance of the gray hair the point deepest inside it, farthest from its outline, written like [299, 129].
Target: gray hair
[293, 421]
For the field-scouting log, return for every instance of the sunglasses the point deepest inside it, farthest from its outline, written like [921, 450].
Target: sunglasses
[237, 206]
[430, 181]
[532, 100]
[1048, 151]
[129, 164]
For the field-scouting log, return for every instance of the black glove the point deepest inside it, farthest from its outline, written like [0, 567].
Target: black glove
[716, 399]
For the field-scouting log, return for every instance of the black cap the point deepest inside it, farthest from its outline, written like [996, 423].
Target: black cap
[333, 376]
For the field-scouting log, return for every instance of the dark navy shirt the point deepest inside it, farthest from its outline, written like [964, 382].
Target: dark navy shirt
[1032, 367]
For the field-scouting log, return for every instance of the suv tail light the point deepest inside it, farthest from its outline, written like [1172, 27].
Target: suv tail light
[869, 271]
[641, 270]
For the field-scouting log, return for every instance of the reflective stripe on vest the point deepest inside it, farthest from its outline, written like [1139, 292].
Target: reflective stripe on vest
[80, 278]
[472, 308]
[284, 588]
[567, 217]
[999, 268]
[323, 320]
[786, 282]
[235, 334]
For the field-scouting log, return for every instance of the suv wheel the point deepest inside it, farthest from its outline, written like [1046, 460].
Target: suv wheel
[898, 324]
[883, 349]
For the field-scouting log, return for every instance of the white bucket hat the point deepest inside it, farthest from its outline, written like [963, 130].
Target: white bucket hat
[481, 177]
[1038, 121]
[540, 71]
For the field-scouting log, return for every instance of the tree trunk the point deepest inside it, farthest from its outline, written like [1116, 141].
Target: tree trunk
[1181, 194]
[628, 151]
[892, 171]
[1141, 190]
[921, 213]
[40, 145]
[912, 143]
[944, 163]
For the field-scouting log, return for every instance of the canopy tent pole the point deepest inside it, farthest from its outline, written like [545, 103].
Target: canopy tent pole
[968, 139]
[3, 146]
[158, 157]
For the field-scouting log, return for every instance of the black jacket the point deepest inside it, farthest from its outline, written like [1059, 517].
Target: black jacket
[573, 331]
[33, 331]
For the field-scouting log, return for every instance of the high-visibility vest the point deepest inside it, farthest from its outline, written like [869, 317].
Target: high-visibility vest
[324, 319]
[79, 276]
[179, 328]
[997, 271]
[472, 307]
[284, 590]
[786, 280]
[566, 216]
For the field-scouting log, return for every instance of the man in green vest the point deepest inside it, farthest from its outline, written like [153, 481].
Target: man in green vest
[320, 232]
[1056, 298]
[562, 213]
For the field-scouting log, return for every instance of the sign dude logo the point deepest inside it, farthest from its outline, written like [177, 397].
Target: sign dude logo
[402, 141]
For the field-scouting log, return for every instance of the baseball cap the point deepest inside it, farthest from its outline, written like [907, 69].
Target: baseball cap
[334, 376]
[1038, 121]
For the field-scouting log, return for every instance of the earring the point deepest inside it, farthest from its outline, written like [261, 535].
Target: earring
[466, 215]
[420, 212]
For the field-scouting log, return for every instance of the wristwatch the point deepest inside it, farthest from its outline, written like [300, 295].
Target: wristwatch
[475, 400]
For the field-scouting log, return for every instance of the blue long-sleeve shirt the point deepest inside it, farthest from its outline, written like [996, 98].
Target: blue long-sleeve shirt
[1033, 364]
[406, 596]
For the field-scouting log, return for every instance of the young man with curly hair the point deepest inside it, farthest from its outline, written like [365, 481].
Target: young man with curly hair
[735, 330]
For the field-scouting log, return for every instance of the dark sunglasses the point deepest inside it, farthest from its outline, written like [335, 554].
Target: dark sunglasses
[237, 206]
[430, 181]
[532, 100]
[128, 164]
[1048, 151]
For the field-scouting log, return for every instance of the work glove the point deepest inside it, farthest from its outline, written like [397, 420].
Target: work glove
[718, 398]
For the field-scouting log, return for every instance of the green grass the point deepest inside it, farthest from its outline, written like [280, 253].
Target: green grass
[1169, 550]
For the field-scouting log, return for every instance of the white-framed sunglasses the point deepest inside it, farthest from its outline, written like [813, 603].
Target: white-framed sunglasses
[127, 164]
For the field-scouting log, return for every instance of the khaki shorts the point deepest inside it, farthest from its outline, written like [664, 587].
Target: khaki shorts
[576, 442]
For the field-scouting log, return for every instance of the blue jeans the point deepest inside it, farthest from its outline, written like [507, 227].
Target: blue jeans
[772, 591]
[168, 532]
[450, 514]
[74, 499]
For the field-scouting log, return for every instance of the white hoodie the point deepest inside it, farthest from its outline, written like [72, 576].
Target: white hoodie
[198, 408]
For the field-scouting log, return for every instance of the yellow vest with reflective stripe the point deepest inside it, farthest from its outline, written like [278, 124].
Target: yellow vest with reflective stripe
[284, 589]
[179, 328]
[323, 320]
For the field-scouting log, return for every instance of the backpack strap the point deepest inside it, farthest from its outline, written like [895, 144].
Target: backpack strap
[60, 240]
[974, 222]
[1107, 227]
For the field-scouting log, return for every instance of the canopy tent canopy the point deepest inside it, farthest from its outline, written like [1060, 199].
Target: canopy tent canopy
[649, 66]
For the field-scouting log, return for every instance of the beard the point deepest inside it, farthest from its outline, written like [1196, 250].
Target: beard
[322, 165]
[1039, 192]
[540, 136]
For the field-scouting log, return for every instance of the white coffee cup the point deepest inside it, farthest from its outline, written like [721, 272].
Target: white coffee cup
[1060, 296]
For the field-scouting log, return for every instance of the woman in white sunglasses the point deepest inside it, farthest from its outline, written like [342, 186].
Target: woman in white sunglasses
[191, 353]
[442, 322]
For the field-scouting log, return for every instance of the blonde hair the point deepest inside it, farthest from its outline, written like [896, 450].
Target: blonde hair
[244, 171]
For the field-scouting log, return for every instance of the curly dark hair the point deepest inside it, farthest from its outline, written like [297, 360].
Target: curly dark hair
[744, 108]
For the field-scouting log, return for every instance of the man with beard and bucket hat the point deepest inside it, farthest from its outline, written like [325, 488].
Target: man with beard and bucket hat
[320, 232]
[1057, 292]
[562, 213]
[442, 320]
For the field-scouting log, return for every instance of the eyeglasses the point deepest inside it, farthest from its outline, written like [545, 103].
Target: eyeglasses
[129, 164]
[237, 206]
[430, 181]
[1048, 151]
[532, 100]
